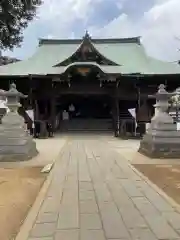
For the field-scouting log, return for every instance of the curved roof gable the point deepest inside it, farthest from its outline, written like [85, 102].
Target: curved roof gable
[86, 43]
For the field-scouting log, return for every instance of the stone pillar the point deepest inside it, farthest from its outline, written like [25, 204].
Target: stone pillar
[162, 140]
[15, 142]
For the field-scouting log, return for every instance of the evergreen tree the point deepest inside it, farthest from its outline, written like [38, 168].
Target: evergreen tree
[4, 60]
[14, 18]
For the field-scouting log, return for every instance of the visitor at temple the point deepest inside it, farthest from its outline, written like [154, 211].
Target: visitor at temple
[50, 129]
[71, 111]
[65, 115]
[57, 121]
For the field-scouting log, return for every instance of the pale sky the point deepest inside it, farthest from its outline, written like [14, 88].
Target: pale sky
[157, 21]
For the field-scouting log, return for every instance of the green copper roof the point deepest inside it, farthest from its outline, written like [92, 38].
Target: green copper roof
[42, 61]
[128, 53]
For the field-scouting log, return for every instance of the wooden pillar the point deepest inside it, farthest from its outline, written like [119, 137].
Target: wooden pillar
[36, 109]
[117, 117]
[52, 100]
[30, 95]
[53, 111]
[45, 104]
[33, 97]
[143, 116]
[115, 112]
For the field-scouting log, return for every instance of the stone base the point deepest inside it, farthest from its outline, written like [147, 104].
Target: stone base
[18, 153]
[162, 140]
[161, 150]
[15, 142]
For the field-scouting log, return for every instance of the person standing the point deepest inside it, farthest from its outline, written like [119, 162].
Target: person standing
[65, 117]
[50, 129]
[71, 111]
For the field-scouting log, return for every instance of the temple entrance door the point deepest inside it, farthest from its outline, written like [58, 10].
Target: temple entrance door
[86, 113]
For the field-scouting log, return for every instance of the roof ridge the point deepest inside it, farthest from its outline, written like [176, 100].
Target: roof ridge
[136, 40]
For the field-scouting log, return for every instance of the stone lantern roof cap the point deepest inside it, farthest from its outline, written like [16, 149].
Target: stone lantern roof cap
[161, 93]
[12, 92]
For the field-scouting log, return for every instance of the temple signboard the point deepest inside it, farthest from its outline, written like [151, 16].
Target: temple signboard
[83, 71]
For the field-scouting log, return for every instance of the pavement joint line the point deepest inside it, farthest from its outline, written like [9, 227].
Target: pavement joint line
[33, 213]
[29, 221]
[167, 198]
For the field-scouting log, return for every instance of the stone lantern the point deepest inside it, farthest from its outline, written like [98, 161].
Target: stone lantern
[162, 139]
[15, 142]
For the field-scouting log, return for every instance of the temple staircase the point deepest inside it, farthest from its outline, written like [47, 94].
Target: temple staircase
[86, 125]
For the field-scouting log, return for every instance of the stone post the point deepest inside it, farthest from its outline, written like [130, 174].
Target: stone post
[15, 142]
[162, 140]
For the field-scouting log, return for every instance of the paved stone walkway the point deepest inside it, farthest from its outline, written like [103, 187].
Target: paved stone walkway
[94, 195]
